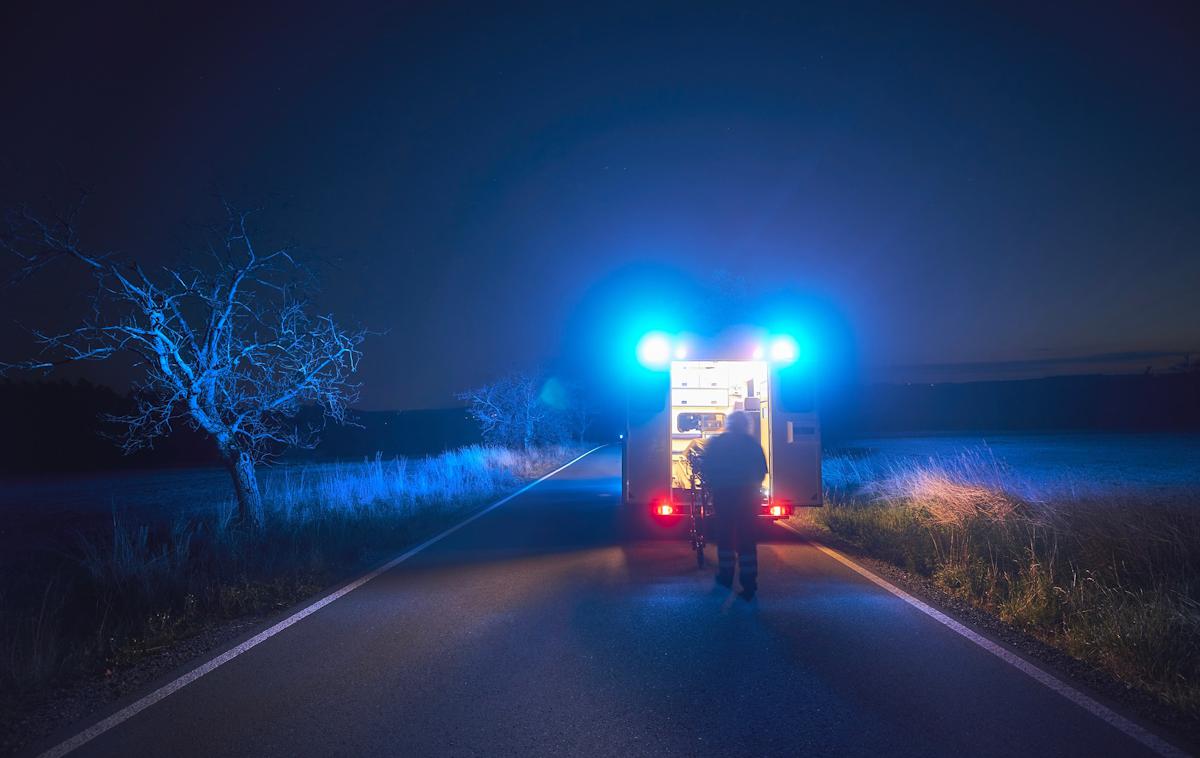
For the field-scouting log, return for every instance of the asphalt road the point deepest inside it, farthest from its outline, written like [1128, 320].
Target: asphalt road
[546, 628]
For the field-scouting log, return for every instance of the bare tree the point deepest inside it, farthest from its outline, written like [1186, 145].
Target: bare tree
[230, 347]
[578, 413]
[513, 411]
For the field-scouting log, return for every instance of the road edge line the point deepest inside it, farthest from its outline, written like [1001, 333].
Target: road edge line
[1147, 738]
[136, 707]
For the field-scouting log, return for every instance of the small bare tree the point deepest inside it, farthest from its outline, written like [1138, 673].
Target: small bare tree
[513, 412]
[231, 346]
[578, 414]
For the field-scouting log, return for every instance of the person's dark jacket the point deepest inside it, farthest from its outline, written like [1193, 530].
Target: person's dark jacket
[733, 468]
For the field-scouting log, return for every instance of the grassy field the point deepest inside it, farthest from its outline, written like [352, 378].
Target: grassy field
[102, 599]
[1113, 580]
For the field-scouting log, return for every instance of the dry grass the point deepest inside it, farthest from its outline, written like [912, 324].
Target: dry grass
[105, 599]
[1113, 581]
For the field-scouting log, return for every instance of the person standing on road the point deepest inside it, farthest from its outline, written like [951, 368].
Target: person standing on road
[733, 468]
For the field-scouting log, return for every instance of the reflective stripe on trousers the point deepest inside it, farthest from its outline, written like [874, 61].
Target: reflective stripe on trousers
[747, 559]
[725, 559]
[748, 563]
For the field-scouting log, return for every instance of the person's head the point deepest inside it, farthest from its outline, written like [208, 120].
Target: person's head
[738, 422]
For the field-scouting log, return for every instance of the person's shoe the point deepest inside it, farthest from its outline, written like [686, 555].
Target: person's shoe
[726, 583]
[746, 595]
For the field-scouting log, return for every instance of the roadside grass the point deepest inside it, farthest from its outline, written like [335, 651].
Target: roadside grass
[105, 600]
[1113, 581]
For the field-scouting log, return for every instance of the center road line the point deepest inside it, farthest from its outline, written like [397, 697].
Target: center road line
[138, 706]
[1088, 703]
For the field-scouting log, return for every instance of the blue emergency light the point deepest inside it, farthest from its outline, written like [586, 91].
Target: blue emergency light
[656, 349]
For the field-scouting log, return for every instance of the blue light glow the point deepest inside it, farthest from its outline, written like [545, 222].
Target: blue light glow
[784, 350]
[654, 350]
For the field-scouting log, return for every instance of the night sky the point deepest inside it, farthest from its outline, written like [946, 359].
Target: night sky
[975, 192]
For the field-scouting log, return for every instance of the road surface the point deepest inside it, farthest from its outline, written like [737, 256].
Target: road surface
[544, 628]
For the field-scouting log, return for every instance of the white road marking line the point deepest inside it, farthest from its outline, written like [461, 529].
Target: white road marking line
[137, 707]
[1089, 704]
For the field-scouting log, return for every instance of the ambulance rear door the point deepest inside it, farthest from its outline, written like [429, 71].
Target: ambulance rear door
[646, 459]
[795, 439]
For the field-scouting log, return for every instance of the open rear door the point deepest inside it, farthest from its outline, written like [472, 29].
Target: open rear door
[795, 440]
[646, 458]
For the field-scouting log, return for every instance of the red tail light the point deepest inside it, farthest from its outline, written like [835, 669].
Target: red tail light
[777, 510]
[664, 509]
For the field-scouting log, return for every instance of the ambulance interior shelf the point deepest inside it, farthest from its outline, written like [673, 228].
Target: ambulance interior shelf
[703, 393]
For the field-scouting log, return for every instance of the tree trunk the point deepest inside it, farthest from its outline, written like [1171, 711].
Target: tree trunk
[245, 484]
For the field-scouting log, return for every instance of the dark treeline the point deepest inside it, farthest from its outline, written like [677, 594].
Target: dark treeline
[60, 426]
[1148, 402]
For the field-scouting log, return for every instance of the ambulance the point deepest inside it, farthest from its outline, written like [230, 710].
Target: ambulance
[683, 392]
